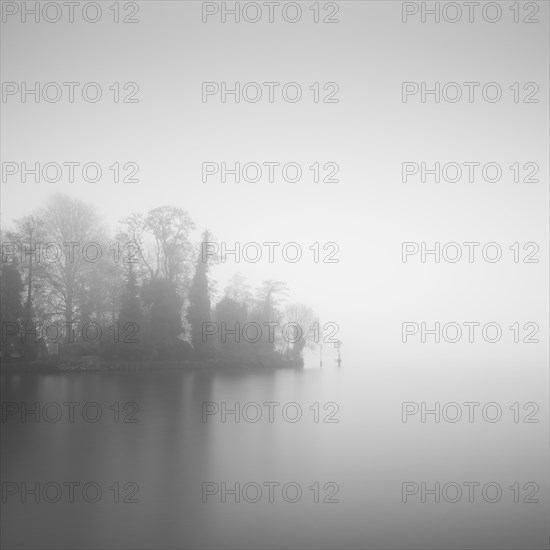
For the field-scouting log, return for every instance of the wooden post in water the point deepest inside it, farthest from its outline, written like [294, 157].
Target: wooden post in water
[337, 346]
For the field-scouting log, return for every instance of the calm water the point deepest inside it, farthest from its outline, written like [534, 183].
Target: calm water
[169, 452]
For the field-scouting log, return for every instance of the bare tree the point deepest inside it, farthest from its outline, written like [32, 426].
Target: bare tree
[70, 225]
[162, 243]
[302, 318]
[239, 291]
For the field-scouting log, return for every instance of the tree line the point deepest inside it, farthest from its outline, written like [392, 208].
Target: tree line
[143, 292]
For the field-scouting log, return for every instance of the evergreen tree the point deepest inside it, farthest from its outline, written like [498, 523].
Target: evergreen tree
[29, 348]
[11, 308]
[164, 324]
[198, 311]
[130, 319]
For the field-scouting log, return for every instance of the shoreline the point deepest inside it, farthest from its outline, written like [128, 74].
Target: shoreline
[83, 365]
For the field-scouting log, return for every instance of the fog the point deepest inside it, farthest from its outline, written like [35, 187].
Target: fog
[415, 196]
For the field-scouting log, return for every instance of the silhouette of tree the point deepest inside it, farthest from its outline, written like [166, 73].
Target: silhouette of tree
[130, 319]
[162, 242]
[270, 294]
[198, 311]
[146, 298]
[239, 290]
[233, 316]
[67, 221]
[163, 327]
[11, 308]
[303, 317]
[28, 237]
